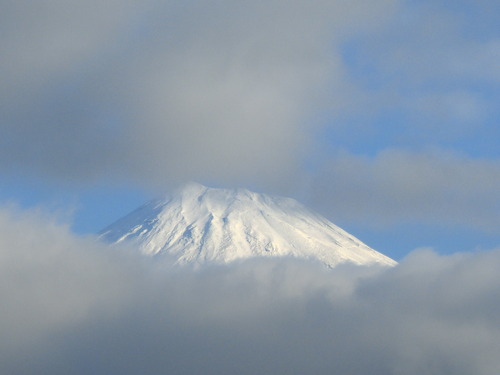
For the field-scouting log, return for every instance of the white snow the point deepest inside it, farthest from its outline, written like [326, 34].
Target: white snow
[199, 224]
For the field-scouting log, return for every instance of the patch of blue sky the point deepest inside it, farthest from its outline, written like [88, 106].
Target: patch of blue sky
[400, 239]
[90, 208]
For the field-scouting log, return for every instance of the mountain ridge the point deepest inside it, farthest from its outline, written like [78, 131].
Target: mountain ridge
[198, 224]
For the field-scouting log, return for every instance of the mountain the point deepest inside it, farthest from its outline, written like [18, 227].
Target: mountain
[198, 224]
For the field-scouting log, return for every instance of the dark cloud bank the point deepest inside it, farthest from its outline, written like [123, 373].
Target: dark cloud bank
[70, 305]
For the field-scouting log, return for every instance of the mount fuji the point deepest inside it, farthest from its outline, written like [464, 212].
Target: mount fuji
[198, 224]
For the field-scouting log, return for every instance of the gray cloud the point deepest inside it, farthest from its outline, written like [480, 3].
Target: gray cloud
[72, 305]
[401, 186]
[234, 93]
[154, 91]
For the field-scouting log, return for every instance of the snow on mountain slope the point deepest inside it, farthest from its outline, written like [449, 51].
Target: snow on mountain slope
[199, 224]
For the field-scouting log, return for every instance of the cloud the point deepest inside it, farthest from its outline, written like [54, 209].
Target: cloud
[236, 93]
[437, 45]
[156, 92]
[401, 186]
[427, 77]
[72, 305]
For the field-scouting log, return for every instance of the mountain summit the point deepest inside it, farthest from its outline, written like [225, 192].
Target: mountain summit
[198, 224]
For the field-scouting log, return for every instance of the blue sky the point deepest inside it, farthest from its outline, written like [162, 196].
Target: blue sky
[381, 115]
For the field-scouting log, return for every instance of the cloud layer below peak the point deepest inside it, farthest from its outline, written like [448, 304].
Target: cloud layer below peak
[71, 304]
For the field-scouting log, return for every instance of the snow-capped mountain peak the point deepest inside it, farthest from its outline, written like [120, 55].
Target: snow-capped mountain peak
[198, 224]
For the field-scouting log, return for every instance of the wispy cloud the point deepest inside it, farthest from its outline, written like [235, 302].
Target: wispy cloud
[401, 186]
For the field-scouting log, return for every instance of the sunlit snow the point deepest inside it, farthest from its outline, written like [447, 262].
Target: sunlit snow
[199, 224]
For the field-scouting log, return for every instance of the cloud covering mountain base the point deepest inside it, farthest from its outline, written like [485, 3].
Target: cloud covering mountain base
[373, 112]
[72, 305]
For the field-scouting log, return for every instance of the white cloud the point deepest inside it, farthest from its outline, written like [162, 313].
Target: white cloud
[70, 304]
